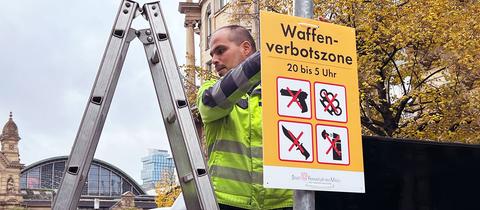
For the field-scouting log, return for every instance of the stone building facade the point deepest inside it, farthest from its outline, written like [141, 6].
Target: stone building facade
[203, 18]
[10, 166]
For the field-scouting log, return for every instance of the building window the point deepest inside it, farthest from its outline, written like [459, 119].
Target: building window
[47, 176]
[101, 180]
[93, 177]
[126, 186]
[104, 185]
[33, 178]
[208, 26]
[116, 185]
[85, 188]
[223, 3]
[58, 169]
[23, 181]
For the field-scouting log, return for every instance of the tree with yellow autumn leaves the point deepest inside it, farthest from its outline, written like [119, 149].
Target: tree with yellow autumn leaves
[418, 65]
[167, 189]
[418, 62]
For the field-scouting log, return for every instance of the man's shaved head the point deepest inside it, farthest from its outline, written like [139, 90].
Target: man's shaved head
[239, 34]
[229, 46]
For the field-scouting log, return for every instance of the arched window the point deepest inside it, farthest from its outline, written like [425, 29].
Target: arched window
[103, 179]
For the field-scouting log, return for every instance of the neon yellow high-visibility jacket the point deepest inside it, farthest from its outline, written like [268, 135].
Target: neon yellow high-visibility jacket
[232, 115]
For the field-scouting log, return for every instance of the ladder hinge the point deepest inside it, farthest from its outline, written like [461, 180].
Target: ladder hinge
[187, 178]
[155, 58]
[171, 117]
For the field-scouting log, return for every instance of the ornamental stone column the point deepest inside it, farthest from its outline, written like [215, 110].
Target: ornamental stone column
[192, 23]
[192, 19]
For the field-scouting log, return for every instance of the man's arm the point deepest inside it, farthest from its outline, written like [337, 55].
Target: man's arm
[216, 100]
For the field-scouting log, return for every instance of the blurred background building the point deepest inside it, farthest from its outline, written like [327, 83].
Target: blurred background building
[157, 164]
[34, 186]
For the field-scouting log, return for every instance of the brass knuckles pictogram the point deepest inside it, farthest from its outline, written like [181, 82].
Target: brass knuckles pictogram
[330, 103]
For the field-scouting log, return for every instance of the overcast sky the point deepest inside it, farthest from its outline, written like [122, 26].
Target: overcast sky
[50, 52]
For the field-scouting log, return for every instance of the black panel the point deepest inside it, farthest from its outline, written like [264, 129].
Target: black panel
[408, 174]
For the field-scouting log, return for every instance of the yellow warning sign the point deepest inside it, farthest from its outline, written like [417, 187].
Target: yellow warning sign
[311, 117]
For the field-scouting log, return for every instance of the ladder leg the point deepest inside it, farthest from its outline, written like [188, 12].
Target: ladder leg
[86, 141]
[184, 141]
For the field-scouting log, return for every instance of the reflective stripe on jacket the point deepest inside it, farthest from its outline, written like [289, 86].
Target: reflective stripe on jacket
[232, 115]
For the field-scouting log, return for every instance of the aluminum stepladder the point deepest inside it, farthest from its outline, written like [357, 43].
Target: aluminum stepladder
[184, 142]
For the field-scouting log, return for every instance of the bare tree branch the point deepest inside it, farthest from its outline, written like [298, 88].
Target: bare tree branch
[369, 124]
[400, 76]
[428, 77]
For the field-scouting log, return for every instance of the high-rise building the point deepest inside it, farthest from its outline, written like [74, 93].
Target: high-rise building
[158, 164]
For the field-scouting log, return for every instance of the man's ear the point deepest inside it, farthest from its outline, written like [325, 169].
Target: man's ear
[246, 48]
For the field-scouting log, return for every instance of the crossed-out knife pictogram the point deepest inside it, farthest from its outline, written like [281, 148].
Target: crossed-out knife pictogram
[296, 142]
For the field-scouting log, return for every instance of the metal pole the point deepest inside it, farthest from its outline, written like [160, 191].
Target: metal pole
[303, 199]
[303, 8]
[256, 22]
